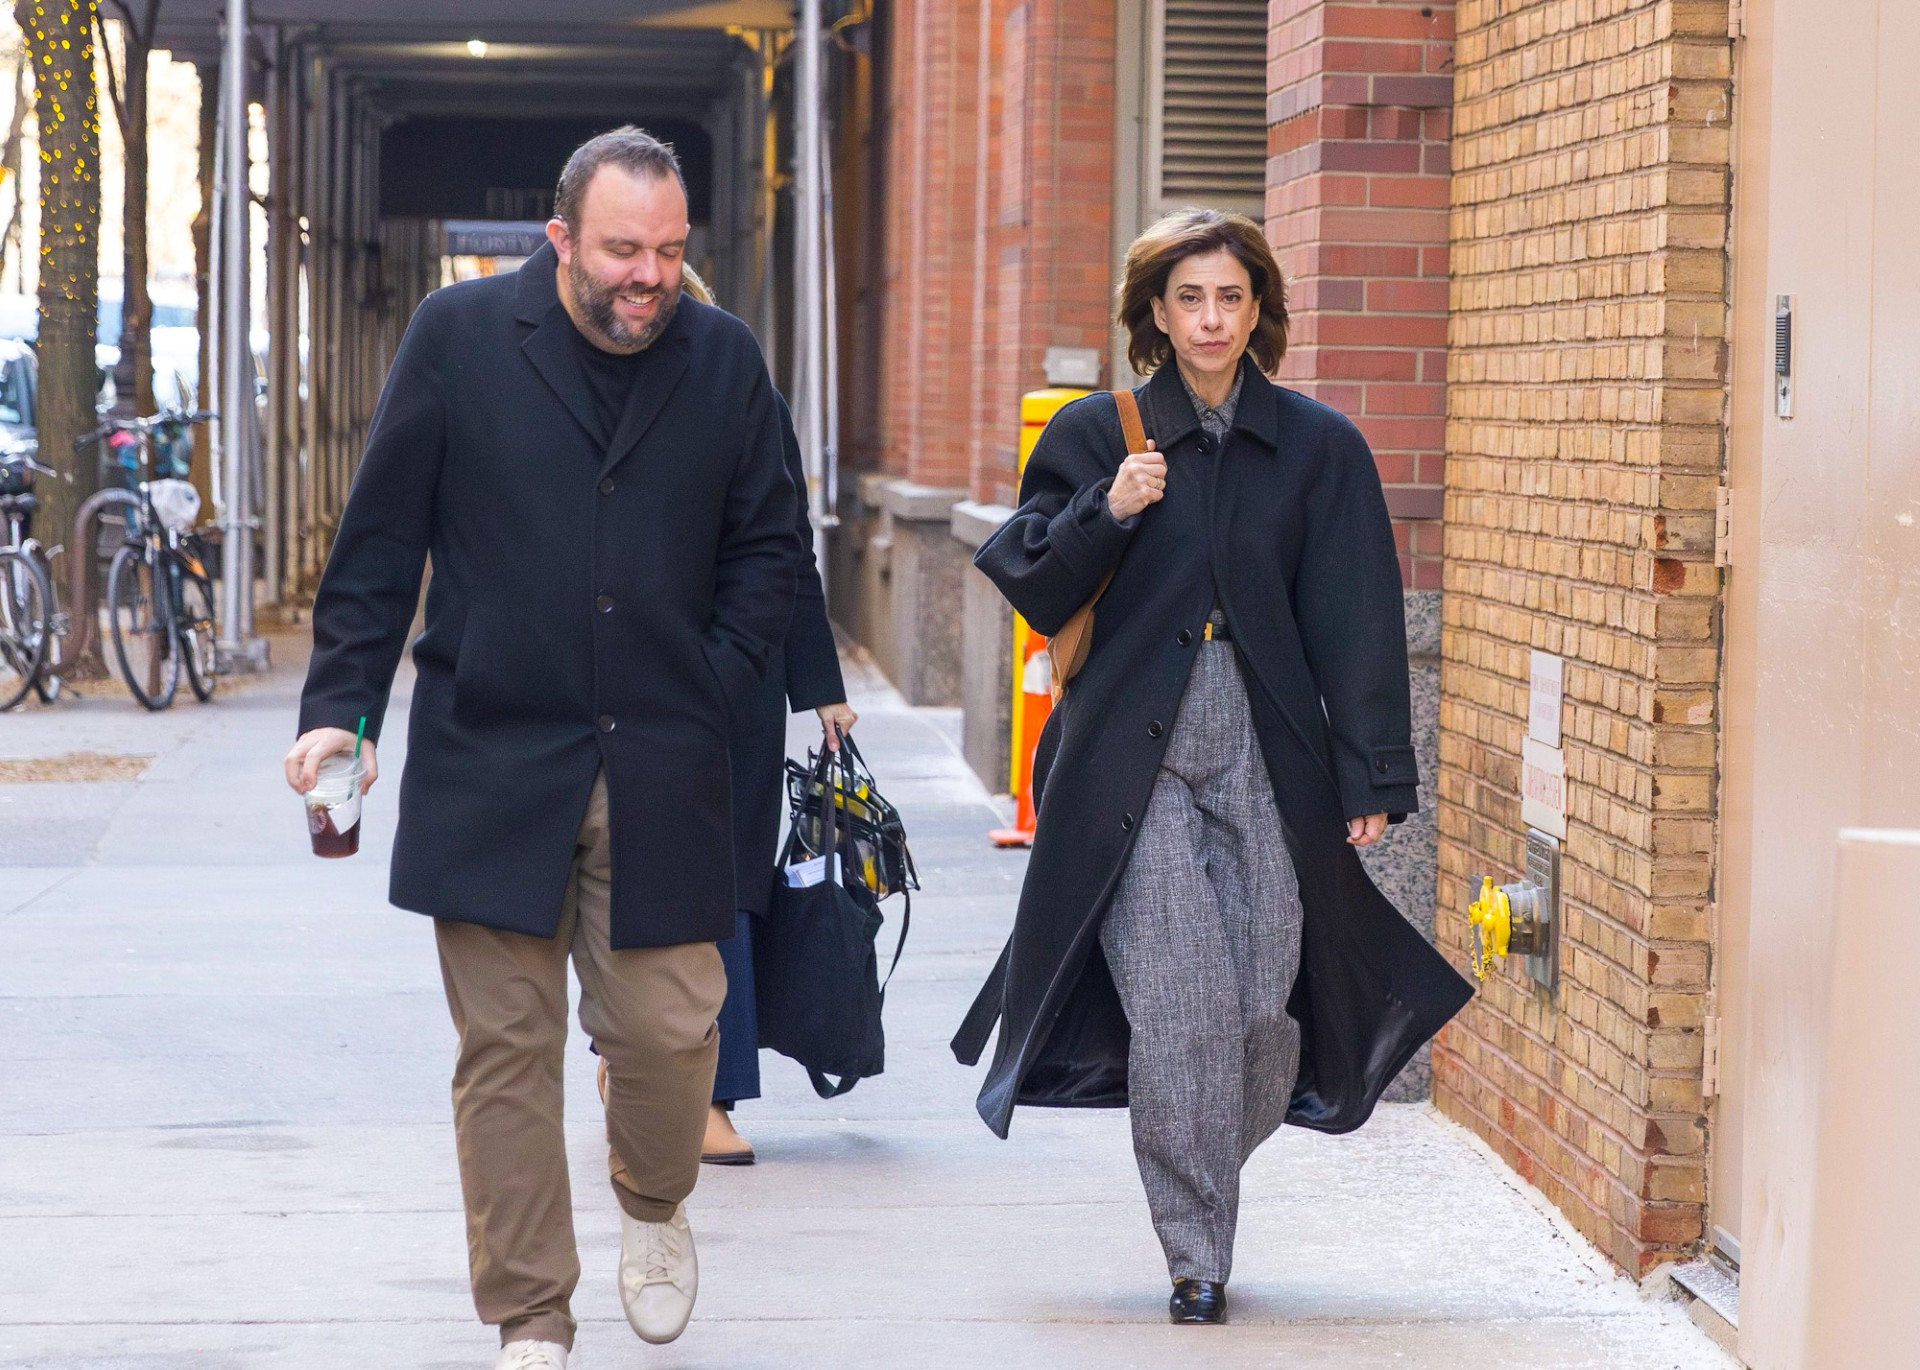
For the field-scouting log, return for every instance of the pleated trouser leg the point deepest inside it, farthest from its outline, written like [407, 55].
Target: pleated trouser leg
[1203, 939]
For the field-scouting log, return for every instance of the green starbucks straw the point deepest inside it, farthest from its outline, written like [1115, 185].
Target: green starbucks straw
[359, 734]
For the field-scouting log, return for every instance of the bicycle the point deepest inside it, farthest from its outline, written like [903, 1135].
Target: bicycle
[31, 624]
[160, 605]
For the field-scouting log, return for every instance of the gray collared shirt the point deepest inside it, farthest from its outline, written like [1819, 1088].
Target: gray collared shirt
[1217, 418]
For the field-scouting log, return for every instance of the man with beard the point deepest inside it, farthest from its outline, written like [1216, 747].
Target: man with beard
[594, 466]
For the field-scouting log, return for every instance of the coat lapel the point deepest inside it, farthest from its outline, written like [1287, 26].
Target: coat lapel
[550, 346]
[661, 367]
[1170, 416]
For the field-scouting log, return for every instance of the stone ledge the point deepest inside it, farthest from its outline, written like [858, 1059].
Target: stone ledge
[973, 523]
[913, 502]
[1423, 622]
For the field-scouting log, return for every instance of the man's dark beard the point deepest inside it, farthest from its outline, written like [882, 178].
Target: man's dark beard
[595, 300]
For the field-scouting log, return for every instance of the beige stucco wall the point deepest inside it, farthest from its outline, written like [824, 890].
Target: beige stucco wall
[1823, 634]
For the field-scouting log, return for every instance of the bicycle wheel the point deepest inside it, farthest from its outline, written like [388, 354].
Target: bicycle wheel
[25, 624]
[140, 617]
[194, 626]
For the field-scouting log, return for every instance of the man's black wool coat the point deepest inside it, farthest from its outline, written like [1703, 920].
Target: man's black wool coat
[591, 605]
[1285, 519]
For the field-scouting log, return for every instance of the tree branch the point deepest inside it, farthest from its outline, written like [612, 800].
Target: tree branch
[113, 77]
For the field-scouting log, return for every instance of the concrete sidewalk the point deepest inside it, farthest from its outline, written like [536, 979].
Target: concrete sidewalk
[225, 1132]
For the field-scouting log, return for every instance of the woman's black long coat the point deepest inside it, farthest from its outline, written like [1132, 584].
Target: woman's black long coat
[1287, 519]
[803, 674]
[594, 605]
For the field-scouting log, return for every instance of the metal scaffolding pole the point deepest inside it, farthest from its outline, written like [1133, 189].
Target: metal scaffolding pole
[239, 649]
[830, 330]
[313, 455]
[279, 266]
[809, 298]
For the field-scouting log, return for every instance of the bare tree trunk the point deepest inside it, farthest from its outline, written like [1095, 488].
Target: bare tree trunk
[10, 155]
[133, 376]
[59, 41]
[209, 72]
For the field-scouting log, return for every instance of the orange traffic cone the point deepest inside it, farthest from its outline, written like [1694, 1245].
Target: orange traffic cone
[1036, 703]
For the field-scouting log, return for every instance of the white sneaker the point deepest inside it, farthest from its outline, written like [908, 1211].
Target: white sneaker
[659, 1275]
[532, 1355]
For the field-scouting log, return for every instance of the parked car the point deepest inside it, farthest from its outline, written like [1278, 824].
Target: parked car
[174, 336]
[19, 398]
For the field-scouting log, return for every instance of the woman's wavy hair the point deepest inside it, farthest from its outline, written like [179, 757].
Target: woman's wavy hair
[1189, 233]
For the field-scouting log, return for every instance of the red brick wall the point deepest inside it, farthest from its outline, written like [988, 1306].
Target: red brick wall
[927, 300]
[1046, 243]
[999, 231]
[1360, 94]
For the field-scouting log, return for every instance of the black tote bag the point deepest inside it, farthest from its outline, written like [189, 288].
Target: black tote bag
[816, 968]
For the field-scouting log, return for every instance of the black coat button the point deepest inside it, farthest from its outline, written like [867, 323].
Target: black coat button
[604, 603]
[1126, 822]
[606, 485]
[1153, 728]
[606, 723]
[1184, 637]
[1380, 766]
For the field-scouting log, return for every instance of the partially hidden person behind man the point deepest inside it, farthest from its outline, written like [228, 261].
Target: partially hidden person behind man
[1196, 938]
[803, 674]
[593, 464]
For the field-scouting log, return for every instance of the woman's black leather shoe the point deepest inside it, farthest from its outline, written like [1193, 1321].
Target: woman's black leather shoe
[1198, 1301]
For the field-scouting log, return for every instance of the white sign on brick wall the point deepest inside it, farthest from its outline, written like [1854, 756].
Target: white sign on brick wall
[1543, 788]
[1546, 689]
[1543, 766]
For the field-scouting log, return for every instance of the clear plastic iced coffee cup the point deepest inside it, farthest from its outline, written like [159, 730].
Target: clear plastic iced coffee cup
[333, 807]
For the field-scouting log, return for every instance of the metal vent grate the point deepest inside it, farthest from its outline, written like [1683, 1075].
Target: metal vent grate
[1213, 100]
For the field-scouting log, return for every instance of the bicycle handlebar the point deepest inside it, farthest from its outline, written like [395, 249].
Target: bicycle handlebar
[164, 419]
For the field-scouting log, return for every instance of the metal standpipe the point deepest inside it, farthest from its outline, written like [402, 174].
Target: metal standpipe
[809, 297]
[239, 649]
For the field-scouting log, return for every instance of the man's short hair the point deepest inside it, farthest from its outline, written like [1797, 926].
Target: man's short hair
[628, 147]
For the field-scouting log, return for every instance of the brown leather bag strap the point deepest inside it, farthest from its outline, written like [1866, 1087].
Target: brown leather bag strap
[1135, 434]
[1130, 426]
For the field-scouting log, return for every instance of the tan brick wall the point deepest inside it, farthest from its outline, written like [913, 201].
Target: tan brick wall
[1583, 445]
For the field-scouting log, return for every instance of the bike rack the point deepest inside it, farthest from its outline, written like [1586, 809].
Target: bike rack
[82, 615]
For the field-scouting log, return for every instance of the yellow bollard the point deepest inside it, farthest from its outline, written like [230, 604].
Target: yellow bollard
[1032, 685]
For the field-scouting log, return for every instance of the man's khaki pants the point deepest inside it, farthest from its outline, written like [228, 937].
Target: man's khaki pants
[650, 1011]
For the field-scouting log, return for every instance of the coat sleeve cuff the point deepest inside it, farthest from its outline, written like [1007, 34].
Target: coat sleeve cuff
[1390, 783]
[1085, 533]
[323, 715]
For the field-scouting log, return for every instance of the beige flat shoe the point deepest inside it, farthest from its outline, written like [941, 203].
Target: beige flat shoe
[724, 1146]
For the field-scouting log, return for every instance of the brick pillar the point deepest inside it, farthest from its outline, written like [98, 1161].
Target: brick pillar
[1584, 444]
[1359, 104]
[928, 298]
[1043, 249]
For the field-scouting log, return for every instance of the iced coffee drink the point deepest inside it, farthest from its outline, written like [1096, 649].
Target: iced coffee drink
[333, 807]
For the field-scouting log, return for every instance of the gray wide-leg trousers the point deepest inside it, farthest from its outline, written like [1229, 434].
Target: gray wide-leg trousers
[1203, 939]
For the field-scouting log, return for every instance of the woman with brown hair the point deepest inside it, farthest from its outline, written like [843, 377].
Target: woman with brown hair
[1196, 939]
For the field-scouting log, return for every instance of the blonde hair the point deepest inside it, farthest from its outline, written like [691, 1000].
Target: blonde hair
[1192, 233]
[691, 283]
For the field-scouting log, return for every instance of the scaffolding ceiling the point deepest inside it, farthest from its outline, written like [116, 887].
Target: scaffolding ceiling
[194, 24]
[485, 57]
